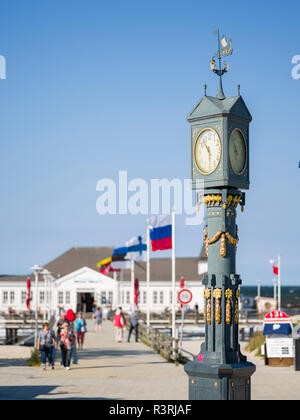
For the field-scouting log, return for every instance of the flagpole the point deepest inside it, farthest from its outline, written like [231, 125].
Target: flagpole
[173, 277]
[279, 284]
[275, 284]
[117, 289]
[45, 298]
[148, 275]
[121, 286]
[132, 285]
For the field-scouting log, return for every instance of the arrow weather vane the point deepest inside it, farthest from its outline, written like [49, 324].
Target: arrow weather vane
[224, 50]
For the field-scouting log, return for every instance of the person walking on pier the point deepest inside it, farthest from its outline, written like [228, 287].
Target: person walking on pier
[46, 344]
[71, 317]
[67, 340]
[98, 316]
[62, 320]
[80, 330]
[134, 325]
[119, 324]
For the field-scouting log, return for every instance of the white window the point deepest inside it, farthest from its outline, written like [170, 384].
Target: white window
[128, 297]
[144, 297]
[161, 297]
[42, 297]
[110, 297]
[155, 297]
[171, 297]
[103, 298]
[23, 297]
[5, 298]
[49, 297]
[60, 298]
[68, 298]
[122, 297]
[12, 297]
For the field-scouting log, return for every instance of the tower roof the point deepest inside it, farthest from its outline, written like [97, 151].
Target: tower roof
[210, 106]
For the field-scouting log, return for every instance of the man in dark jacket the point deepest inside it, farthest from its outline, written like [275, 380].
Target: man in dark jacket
[134, 324]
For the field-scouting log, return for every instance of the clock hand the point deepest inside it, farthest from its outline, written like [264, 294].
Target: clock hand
[235, 148]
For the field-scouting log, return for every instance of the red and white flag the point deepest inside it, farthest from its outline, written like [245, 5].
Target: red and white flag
[275, 267]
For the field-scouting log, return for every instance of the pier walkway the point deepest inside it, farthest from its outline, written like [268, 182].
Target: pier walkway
[108, 370]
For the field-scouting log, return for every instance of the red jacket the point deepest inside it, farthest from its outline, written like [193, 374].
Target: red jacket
[70, 315]
[119, 321]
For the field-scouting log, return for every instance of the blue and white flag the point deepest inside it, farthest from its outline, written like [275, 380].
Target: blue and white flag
[119, 259]
[137, 249]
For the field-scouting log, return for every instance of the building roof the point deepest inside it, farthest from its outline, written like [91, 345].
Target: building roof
[161, 270]
[210, 106]
[78, 257]
[8, 277]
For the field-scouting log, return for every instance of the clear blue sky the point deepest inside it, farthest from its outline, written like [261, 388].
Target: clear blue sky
[93, 87]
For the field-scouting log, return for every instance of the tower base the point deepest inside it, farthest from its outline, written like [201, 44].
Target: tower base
[219, 381]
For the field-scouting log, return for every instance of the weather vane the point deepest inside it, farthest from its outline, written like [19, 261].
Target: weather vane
[224, 50]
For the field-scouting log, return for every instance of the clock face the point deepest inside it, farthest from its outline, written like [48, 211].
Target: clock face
[237, 152]
[207, 151]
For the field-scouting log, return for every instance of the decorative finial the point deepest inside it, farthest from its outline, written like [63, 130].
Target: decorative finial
[239, 90]
[205, 87]
[223, 51]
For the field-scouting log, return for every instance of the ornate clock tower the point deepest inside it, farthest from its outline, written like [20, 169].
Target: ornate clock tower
[220, 159]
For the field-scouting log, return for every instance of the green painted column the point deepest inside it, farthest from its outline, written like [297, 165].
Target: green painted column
[220, 371]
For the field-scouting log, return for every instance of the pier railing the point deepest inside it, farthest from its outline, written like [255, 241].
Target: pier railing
[161, 342]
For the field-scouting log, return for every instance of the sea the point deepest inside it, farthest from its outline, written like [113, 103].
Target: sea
[290, 296]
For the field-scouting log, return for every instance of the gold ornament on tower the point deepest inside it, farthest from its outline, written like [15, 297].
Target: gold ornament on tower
[217, 295]
[228, 295]
[236, 315]
[207, 312]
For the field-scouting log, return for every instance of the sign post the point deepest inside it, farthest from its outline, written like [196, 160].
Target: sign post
[184, 296]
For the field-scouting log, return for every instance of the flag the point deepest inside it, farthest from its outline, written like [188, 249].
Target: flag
[121, 265]
[136, 249]
[104, 263]
[112, 270]
[119, 254]
[275, 267]
[28, 300]
[108, 269]
[119, 259]
[161, 232]
[136, 291]
[104, 269]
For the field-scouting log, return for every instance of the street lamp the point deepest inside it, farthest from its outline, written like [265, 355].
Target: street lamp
[37, 270]
[258, 288]
[48, 292]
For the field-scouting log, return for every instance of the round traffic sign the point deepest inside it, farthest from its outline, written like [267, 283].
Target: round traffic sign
[185, 296]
